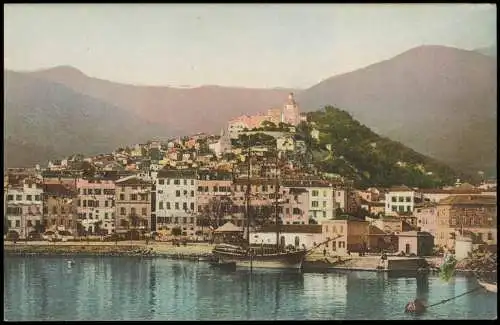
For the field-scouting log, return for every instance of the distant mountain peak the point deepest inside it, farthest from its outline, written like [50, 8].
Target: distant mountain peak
[63, 70]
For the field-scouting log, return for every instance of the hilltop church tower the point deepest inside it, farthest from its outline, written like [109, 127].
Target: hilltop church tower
[290, 112]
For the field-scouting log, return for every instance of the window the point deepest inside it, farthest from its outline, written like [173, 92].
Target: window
[105, 215]
[37, 198]
[29, 197]
[215, 188]
[401, 208]
[122, 197]
[192, 193]
[191, 220]
[30, 223]
[54, 210]
[394, 208]
[133, 211]
[96, 203]
[200, 188]
[184, 206]
[401, 199]
[161, 181]
[490, 236]
[185, 182]
[324, 204]
[177, 193]
[393, 199]
[176, 205]
[206, 188]
[144, 211]
[408, 199]
[192, 182]
[122, 211]
[133, 197]
[324, 214]
[89, 191]
[315, 193]
[10, 197]
[18, 223]
[97, 191]
[324, 193]
[106, 203]
[408, 208]
[160, 205]
[168, 205]
[314, 204]
[19, 197]
[191, 206]
[184, 220]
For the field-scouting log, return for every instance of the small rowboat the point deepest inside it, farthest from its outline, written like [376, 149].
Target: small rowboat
[491, 287]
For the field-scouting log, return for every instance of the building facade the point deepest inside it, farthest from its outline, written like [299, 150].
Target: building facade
[176, 204]
[132, 204]
[473, 215]
[24, 207]
[60, 208]
[401, 200]
[96, 204]
[351, 236]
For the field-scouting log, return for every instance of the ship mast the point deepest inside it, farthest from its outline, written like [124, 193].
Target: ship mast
[247, 208]
[277, 204]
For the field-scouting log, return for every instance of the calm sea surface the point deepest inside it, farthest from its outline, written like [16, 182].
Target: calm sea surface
[120, 288]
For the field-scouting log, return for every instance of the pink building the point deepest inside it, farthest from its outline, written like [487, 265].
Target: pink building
[96, 204]
[427, 218]
[295, 206]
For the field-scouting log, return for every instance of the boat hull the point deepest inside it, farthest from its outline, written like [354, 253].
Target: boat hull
[291, 260]
[491, 287]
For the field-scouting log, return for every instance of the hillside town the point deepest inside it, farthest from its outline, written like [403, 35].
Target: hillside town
[201, 187]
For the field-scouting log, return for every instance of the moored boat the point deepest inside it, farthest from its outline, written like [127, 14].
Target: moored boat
[247, 257]
[489, 286]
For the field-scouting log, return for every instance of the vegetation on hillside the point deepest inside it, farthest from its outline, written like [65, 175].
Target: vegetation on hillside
[352, 150]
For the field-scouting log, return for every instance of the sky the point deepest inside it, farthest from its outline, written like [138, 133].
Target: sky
[245, 45]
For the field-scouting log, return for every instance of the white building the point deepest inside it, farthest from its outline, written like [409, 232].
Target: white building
[176, 202]
[400, 200]
[295, 235]
[321, 199]
[24, 207]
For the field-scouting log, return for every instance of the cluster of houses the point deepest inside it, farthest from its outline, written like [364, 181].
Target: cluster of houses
[194, 185]
[196, 202]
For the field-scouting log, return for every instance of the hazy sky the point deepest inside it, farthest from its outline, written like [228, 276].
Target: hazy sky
[248, 45]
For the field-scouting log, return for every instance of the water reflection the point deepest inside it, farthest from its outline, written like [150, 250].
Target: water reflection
[158, 289]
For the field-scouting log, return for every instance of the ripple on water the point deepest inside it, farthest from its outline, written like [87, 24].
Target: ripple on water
[106, 288]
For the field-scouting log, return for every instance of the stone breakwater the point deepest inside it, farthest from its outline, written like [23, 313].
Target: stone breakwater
[193, 252]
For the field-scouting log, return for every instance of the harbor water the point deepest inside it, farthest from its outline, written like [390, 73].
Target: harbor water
[134, 288]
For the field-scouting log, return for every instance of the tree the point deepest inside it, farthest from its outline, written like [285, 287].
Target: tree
[97, 227]
[134, 220]
[176, 231]
[80, 230]
[312, 221]
[88, 169]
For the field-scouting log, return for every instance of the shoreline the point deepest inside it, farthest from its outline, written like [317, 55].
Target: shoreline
[191, 252]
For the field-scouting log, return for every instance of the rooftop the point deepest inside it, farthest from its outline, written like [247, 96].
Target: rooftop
[469, 200]
[303, 229]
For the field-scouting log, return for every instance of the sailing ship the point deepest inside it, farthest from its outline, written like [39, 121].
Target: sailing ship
[247, 257]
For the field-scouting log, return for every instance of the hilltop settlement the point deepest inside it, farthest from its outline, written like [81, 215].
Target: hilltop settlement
[202, 187]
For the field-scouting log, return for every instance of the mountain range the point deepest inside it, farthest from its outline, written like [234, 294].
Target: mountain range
[437, 100]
